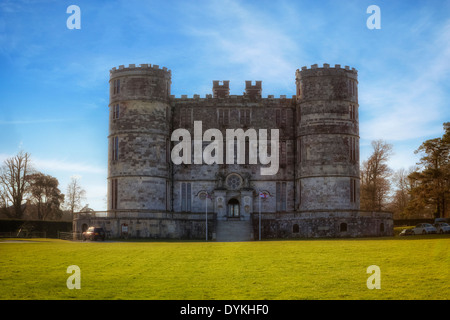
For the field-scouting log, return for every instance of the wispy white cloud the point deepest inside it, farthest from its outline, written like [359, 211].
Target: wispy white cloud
[33, 121]
[411, 103]
[61, 165]
[67, 166]
[249, 42]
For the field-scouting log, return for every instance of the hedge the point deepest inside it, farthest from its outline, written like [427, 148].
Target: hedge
[51, 228]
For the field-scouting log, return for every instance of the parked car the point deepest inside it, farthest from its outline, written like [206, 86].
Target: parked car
[442, 227]
[94, 233]
[407, 232]
[424, 228]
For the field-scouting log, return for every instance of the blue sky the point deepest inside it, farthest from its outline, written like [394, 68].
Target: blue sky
[54, 81]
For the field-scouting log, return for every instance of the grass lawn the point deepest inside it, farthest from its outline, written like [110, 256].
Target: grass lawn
[411, 268]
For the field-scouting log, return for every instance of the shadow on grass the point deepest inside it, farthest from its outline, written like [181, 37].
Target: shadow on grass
[396, 237]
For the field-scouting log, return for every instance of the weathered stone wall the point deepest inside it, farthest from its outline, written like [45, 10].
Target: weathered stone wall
[235, 112]
[153, 225]
[321, 224]
[315, 190]
[140, 122]
[314, 224]
[328, 138]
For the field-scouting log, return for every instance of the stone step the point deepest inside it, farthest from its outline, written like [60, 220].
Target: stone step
[234, 230]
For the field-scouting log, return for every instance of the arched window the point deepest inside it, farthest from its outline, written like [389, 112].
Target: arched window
[343, 227]
[295, 228]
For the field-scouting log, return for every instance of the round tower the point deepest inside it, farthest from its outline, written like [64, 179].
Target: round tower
[327, 168]
[139, 140]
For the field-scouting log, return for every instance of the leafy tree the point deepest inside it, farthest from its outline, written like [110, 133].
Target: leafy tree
[432, 180]
[46, 196]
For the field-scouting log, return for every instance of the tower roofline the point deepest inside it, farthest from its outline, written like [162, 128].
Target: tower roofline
[138, 68]
[326, 66]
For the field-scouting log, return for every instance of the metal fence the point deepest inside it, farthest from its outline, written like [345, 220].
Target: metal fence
[72, 236]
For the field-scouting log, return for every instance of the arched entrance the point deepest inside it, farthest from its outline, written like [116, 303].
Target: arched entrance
[233, 208]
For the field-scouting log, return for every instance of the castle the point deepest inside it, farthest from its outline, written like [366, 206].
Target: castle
[312, 192]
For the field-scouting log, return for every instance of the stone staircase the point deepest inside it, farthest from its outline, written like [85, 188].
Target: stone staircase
[234, 230]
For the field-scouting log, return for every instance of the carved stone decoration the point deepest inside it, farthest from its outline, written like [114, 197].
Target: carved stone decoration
[246, 177]
[234, 181]
[220, 178]
[220, 202]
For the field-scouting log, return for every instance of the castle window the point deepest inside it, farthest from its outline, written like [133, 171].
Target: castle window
[283, 155]
[281, 196]
[343, 227]
[280, 117]
[289, 152]
[223, 116]
[167, 151]
[352, 190]
[299, 150]
[186, 196]
[115, 148]
[116, 111]
[245, 116]
[382, 227]
[247, 151]
[167, 195]
[185, 117]
[352, 112]
[114, 193]
[353, 152]
[295, 228]
[234, 181]
[116, 86]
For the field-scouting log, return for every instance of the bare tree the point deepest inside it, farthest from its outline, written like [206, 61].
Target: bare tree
[3, 200]
[75, 195]
[402, 194]
[375, 172]
[13, 177]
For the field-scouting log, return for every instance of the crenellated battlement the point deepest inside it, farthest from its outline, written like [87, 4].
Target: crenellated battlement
[133, 68]
[325, 67]
[229, 97]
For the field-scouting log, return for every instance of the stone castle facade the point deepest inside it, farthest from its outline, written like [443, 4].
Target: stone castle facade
[314, 193]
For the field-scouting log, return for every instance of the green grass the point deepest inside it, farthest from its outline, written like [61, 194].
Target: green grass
[411, 268]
